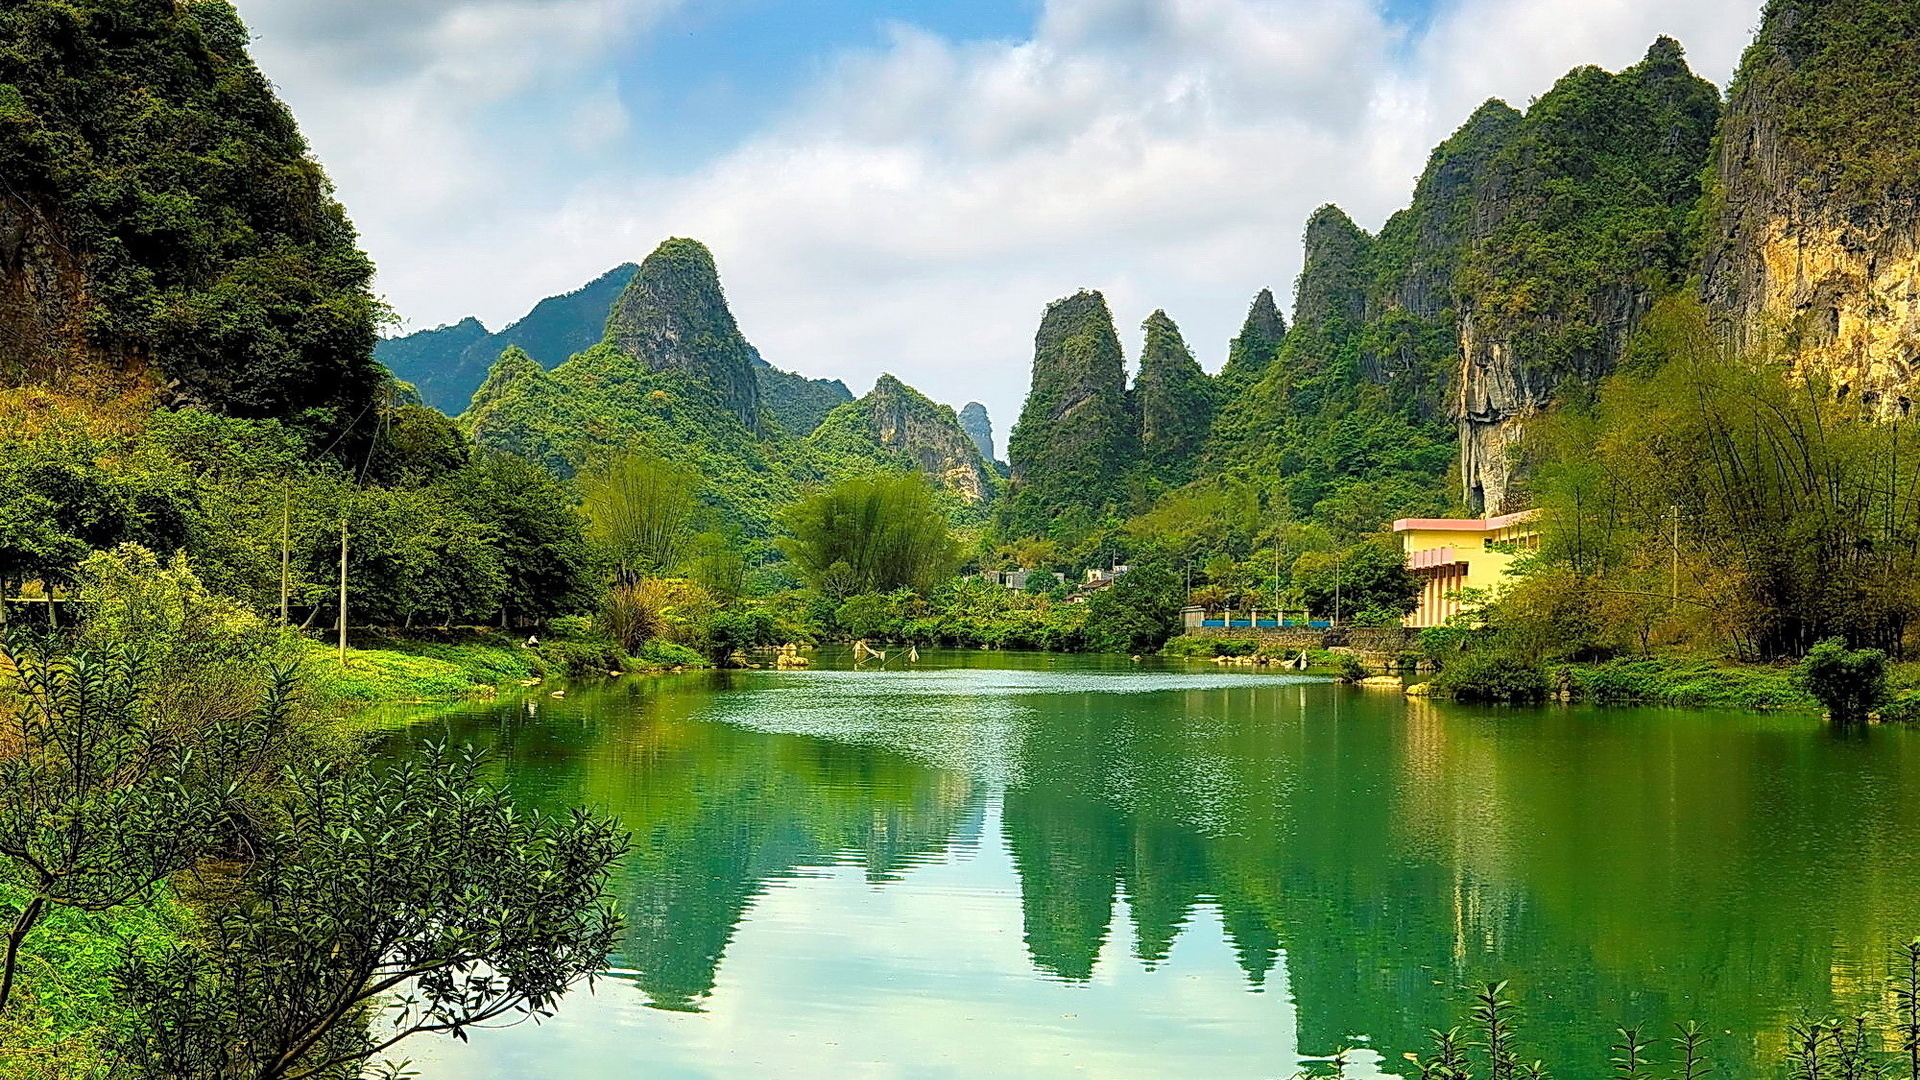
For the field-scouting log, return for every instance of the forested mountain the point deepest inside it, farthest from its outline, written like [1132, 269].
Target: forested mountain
[163, 223]
[1077, 435]
[896, 426]
[1534, 245]
[675, 377]
[448, 363]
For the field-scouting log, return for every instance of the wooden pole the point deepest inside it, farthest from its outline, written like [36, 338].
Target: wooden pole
[286, 523]
[343, 590]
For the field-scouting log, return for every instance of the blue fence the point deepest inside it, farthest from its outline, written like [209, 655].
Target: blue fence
[1265, 624]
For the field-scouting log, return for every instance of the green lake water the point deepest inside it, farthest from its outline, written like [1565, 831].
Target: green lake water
[997, 866]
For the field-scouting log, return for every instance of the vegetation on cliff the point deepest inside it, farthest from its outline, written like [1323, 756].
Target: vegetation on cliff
[1077, 436]
[163, 215]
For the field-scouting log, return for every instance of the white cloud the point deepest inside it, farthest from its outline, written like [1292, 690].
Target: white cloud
[915, 210]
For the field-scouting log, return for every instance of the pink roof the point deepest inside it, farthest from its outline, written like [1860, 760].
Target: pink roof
[1492, 524]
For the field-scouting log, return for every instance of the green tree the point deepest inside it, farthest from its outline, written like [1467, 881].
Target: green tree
[1367, 579]
[412, 879]
[871, 534]
[640, 510]
[1138, 612]
[1851, 683]
[529, 515]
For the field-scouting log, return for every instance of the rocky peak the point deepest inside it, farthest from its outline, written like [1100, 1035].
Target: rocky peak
[979, 427]
[929, 435]
[1813, 224]
[1333, 279]
[1579, 220]
[1249, 355]
[1174, 398]
[673, 317]
[1076, 434]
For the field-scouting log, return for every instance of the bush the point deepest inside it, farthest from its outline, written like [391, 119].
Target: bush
[666, 654]
[583, 659]
[1849, 682]
[1647, 680]
[1351, 670]
[1491, 675]
[1207, 647]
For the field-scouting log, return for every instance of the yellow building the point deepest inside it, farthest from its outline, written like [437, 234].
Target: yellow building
[1451, 554]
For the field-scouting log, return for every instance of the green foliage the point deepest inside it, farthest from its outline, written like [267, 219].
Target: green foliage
[1851, 683]
[1137, 613]
[411, 874]
[1648, 680]
[871, 534]
[1491, 675]
[640, 509]
[1260, 337]
[1779, 500]
[1369, 580]
[173, 202]
[1175, 401]
[1076, 436]
[1834, 79]
[103, 795]
[529, 517]
[797, 402]
[727, 631]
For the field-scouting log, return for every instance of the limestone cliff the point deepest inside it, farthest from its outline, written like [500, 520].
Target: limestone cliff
[162, 218]
[979, 427]
[673, 317]
[896, 425]
[1249, 354]
[1579, 221]
[1813, 248]
[1076, 436]
[1174, 399]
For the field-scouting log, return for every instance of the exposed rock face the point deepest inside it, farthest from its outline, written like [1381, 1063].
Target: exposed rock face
[1249, 355]
[162, 217]
[1076, 435]
[979, 427]
[1813, 244]
[799, 403]
[674, 317]
[1174, 399]
[927, 435]
[1579, 221]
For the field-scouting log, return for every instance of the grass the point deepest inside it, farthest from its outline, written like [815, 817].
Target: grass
[1687, 683]
[412, 671]
[64, 1001]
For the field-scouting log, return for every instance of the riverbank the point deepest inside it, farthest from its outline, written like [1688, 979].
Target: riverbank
[470, 665]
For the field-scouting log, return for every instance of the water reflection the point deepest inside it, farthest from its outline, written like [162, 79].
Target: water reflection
[1363, 854]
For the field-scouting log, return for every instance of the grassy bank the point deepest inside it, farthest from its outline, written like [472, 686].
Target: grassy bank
[382, 669]
[1698, 684]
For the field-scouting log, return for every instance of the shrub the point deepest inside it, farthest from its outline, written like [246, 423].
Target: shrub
[666, 654]
[1491, 675]
[1351, 670]
[1849, 682]
[583, 659]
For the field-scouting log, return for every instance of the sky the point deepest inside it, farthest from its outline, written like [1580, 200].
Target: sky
[893, 186]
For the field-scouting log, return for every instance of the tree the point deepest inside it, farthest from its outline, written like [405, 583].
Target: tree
[1851, 683]
[102, 797]
[1367, 579]
[411, 879]
[541, 539]
[1138, 612]
[640, 510]
[871, 534]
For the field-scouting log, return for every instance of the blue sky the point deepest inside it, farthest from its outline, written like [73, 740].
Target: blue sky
[902, 187]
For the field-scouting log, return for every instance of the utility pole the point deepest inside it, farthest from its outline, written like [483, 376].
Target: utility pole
[343, 588]
[1676, 554]
[1339, 559]
[286, 515]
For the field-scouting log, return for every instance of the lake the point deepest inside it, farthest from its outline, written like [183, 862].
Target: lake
[1000, 866]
